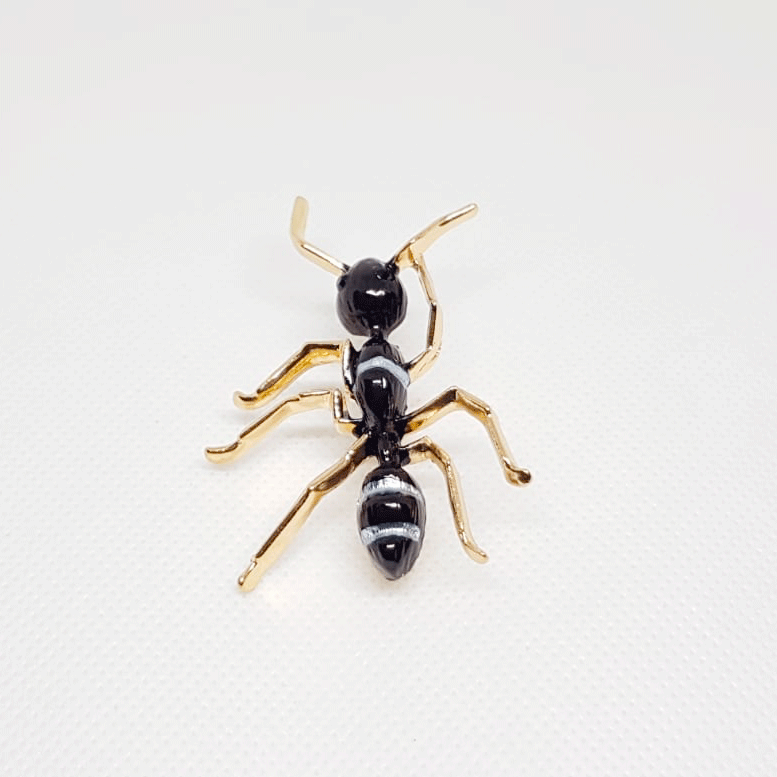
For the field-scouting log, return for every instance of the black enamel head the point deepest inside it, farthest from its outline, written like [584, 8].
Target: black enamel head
[371, 300]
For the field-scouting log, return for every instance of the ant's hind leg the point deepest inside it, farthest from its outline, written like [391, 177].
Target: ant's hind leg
[458, 399]
[310, 400]
[310, 355]
[327, 481]
[425, 450]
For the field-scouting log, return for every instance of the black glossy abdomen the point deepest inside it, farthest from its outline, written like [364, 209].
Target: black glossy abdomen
[392, 519]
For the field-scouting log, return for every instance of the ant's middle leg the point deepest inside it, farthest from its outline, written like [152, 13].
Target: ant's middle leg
[311, 400]
[458, 399]
[310, 355]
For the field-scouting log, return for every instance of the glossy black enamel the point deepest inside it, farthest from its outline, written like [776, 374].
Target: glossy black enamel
[386, 504]
[371, 301]
[370, 298]
[379, 390]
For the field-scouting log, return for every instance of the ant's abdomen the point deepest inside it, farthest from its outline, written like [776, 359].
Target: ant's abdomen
[392, 518]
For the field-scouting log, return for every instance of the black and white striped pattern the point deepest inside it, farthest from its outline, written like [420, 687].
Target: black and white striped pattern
[386, 485]
[408, 531]
[389, 484]
[381, 362]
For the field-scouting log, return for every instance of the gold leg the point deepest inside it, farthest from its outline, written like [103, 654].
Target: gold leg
[310, 355]
[421, 363]
[310, 400]
[340, 415]
[425, 450]
[458, 399]
[290, 525]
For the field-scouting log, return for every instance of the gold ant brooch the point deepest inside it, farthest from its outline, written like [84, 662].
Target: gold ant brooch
[371, 303]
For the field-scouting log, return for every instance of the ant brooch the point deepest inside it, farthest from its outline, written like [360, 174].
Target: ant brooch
[371, 303]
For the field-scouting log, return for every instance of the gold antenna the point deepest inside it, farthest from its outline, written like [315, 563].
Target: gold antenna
[415, 248]
[299, 219]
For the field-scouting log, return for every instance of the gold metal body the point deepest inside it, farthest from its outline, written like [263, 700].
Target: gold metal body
[318, 353]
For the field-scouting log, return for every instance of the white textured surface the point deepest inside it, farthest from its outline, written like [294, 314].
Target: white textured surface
[614, 302]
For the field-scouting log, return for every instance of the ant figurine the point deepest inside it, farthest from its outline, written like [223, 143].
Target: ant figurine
[371, 303]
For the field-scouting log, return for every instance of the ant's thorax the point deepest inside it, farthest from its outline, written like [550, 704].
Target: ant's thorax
[379, 381]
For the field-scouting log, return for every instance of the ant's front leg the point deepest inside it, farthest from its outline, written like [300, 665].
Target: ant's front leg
[412, 255]
[458, 399]
[421, 363]
[310, 355]
[310, 400]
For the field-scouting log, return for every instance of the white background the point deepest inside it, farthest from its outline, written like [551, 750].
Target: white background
[614, 302]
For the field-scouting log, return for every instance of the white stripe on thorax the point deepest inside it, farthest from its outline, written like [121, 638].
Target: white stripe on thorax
[408, 531]
[383, 363]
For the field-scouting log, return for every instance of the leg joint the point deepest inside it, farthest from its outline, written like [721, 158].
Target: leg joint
[468, 401]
